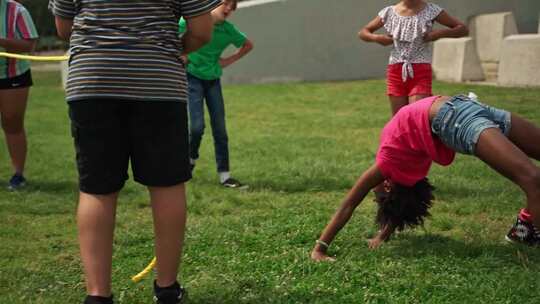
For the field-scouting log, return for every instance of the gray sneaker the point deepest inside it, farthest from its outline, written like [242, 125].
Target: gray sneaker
[524, 233]
[233, 183]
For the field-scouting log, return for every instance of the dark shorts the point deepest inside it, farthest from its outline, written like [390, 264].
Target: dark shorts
[108, 134]
[22, 81]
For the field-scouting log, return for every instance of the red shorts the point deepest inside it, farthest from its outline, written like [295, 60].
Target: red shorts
[419, 85]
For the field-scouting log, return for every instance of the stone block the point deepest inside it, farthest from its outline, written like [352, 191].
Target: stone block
[489, 30]
[520, 61]
[456, 60]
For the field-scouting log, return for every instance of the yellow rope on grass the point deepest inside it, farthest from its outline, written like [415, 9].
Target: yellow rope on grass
[136, 278]
[34, 58]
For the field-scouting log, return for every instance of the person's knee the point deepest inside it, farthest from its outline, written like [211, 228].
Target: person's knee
[12, 125]
[196, 129]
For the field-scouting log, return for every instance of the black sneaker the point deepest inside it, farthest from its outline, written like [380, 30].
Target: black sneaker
[524, 233]
[174, 294]
[17, 181]
[98, 300]
[233, 183]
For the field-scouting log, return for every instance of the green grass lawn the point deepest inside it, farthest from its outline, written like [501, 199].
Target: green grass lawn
[300, 147]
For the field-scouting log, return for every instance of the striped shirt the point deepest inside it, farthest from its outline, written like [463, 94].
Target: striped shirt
[127, 49]
[15, 23]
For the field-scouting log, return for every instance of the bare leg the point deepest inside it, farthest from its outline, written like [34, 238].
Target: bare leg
[526, 136]
[397, 102]
[507, 159]
[12, 107]
[96, 221]
[416, 98]
[169, 211]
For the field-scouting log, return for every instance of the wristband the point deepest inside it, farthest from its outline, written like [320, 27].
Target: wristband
[322, 243]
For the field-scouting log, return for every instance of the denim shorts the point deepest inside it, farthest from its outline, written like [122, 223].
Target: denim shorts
[460, 121]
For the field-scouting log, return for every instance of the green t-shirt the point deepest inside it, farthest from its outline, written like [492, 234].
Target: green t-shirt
[204, 63]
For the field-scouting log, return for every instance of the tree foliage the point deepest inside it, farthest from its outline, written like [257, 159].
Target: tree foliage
[43, 19]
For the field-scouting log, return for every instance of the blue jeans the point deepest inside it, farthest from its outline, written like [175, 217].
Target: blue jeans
[460, 121]
[201, 90]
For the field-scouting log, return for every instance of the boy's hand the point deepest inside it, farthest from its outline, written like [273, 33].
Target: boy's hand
[184, 59]
[225, 62]
[320, 256]
[384, 40]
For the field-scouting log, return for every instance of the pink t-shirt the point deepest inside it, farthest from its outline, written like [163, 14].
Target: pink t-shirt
[408, 147]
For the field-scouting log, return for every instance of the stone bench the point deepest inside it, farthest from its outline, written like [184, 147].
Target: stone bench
[489, 30]
[520, 61]
[456, 60]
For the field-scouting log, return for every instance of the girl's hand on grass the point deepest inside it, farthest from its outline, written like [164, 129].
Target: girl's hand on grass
[320, 256]
[374, 243]
[384, 40]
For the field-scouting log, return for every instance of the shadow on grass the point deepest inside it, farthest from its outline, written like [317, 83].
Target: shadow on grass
[290, 185]
[413, 246]
[454, 193]
[40, 198]
[53, 187]
[301, 184]
[234, 296]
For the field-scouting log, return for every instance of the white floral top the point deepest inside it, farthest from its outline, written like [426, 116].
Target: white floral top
[408, 33]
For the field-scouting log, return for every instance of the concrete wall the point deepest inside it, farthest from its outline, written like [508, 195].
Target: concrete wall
[315, 40]
[489, 30]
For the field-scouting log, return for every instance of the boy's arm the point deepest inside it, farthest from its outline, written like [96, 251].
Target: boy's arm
[455, 28]
[198, 32]
[241, 52]
[371, 178]
[63, 27]
[367, 33]
[64, 12]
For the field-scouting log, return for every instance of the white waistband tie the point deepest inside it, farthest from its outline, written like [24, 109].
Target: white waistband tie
[407, 71]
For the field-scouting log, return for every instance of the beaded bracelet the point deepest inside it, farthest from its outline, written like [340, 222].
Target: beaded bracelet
[322, 243]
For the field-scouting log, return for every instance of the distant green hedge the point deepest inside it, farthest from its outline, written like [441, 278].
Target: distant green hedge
[43, 19]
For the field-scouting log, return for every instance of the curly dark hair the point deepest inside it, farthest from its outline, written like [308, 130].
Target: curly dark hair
[403, 206]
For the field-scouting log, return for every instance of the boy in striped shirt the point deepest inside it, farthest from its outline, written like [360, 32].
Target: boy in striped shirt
[127, 96]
